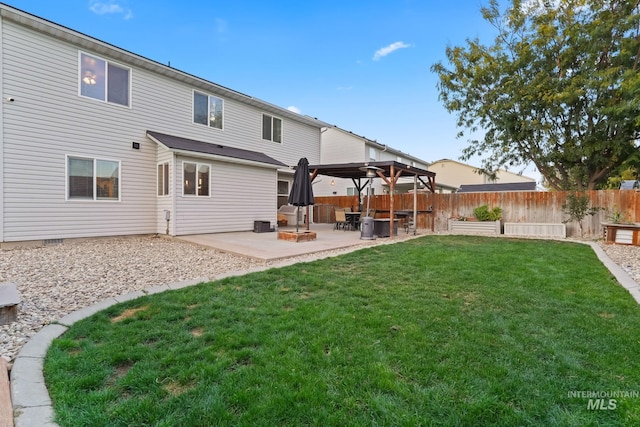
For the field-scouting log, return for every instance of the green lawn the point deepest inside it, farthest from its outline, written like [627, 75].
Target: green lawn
[437, 331]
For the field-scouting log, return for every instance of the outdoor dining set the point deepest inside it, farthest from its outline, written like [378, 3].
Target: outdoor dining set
[349, 220]
[346, 219]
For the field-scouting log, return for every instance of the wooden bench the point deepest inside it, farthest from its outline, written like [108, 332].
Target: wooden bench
[9, 300]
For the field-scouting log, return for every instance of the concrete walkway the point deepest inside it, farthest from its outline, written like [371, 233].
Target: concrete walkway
[31, 402]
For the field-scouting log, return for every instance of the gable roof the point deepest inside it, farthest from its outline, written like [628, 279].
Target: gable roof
[97, 46]
[506, 186]
[384, 147]
[191, 146]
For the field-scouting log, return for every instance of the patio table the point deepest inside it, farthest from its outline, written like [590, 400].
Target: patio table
[353, 218]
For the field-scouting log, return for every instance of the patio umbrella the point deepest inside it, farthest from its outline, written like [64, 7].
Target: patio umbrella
[301, 191]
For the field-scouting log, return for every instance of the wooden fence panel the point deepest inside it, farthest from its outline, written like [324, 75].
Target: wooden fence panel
[529, 206]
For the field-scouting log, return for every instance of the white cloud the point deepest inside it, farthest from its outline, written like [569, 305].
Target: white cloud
[104, 8]
[389, 49]
[294, 109]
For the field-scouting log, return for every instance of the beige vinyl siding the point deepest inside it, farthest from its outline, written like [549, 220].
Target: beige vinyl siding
[239, 195]
[166, 202]
[49, 120]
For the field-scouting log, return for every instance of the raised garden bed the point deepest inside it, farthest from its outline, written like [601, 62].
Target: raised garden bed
[622, 234]
[475, 227]
[535, 229]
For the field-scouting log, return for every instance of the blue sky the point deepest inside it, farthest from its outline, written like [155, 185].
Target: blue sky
[361, 65]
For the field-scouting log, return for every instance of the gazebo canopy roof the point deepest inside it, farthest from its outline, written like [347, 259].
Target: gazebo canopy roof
[352, 170]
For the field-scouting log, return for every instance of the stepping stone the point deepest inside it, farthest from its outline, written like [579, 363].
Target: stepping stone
[9, 300]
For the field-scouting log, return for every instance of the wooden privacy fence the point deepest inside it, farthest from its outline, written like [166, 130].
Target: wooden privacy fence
[434, 210]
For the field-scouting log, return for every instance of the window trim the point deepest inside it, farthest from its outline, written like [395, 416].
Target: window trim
[94, 183]
[166, 179]
[272, 128]
[106, 78]
[198, 164]
[193, 109]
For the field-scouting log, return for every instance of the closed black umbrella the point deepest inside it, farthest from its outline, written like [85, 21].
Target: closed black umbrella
[301, 191]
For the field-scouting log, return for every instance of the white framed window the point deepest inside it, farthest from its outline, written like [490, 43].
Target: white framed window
[196, 178]
[283, 192]
[352, 191]
[92, 179]
[163, 179]
[104, 80]
[271, 128]
[373, 154]
[208, 110]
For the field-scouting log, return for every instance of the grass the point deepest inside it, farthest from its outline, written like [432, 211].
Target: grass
[437, 331]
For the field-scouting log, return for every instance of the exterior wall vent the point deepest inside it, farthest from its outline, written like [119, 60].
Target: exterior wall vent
[48, 242]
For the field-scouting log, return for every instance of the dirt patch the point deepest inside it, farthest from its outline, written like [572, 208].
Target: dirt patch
[175, 389]
[127, 314]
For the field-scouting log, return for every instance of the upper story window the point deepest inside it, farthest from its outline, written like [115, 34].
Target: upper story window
[207, 110]
[104, 80]
[93, 179]
[373, 154]
[271, 128]
[195, 179]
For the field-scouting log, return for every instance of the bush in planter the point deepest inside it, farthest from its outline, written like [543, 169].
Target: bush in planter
[483, 213]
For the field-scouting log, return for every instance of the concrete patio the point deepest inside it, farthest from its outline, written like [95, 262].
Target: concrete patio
[267, 246]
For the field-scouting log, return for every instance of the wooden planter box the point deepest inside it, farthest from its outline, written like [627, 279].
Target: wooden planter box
[475, 227]
[301, 236]
[622, 234]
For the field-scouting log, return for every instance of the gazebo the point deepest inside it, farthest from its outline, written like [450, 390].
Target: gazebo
[389, 171]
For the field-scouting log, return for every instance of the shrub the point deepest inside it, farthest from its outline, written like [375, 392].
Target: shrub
[483, 213]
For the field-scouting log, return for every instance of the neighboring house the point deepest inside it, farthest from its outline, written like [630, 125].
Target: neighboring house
[456, 174]
[341, 146]
[99, 141]
[630, 184]
[507, 186]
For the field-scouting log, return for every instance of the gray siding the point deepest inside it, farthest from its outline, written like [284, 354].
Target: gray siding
[49, 120]
[239, 195]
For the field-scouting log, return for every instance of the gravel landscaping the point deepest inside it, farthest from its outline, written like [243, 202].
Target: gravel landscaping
[56, 280]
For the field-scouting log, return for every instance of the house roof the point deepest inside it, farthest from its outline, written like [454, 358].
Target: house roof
[505, 186]
[191, 146]
[84, 41]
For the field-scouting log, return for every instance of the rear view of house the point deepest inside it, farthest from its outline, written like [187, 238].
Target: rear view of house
[98, 141]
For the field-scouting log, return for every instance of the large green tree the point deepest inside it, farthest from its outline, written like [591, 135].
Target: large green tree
[558, 87]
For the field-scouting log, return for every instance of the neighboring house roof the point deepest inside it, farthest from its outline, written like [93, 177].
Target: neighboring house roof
[186, 145]
[476, 169]
[629, 184]
[506, 186]
[383, 147]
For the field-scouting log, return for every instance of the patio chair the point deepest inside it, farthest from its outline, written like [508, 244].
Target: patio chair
[341, 220]
[409, 225]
